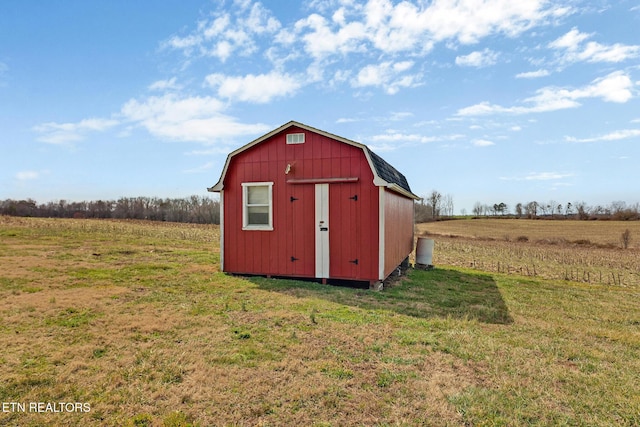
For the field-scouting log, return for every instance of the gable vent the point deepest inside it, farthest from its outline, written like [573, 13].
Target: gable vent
[295, 138]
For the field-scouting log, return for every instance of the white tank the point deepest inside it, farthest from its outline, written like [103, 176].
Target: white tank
[424, 251]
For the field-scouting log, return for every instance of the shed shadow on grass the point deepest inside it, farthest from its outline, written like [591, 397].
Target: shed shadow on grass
[422, 294]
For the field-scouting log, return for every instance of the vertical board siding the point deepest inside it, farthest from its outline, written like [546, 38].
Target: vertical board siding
[354, 231]
[398, 230]
[302, 226]
[345, 231]
[354, 225]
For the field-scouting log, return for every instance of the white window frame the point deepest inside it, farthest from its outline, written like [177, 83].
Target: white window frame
[246, 206]
[295, 138]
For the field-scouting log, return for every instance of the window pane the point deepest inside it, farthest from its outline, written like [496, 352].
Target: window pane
[258, 195]
[258, 215]
[295, 138]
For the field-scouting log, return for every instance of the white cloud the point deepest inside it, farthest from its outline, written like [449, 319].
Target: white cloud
[385, 29]
[393, 140]
[347, 120]
[215, 27]
[549, 99]
[381, 148]
[183, 43]
[395, 28]
[539, 176]
[573, 49]
[386, 75]
[225, 33]
[373, 75]
[260, 20]
[482, 143]
[199, 169]
[61, 133]
[406, 26]
[470, 20]
[162, 85]
[615, 87]
[570, 41]
[547, 176]
[612, 136]
[171, 117]
[27, 175]
[381, 29]
[392, 136]
[478, 59]
[532, 74]
[321, 41]
[260, 88]
[400, 115]
[197, 119]
[171, 108]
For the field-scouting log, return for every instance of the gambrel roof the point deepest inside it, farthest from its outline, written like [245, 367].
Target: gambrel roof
[384, 174]
[387, 172]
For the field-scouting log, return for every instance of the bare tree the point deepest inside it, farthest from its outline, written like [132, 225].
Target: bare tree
[422, 211]
[447, 205]
[519, 209]
[477, 209]
[544, 208]
[620, 211]
[568, 209]
[597, 210]
[551, 207]
[582, 209]
[434, 199]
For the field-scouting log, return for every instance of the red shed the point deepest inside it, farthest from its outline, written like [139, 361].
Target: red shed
[301, 202]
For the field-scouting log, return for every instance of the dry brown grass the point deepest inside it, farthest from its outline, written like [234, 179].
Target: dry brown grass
[603, 233]
[582, 251]
[135, 319]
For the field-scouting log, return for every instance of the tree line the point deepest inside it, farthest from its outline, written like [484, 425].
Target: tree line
[192, 209]
[206, 210]
[435, 206]
[617, 210]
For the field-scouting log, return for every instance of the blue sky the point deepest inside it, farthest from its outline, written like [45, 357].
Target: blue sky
[485, 100]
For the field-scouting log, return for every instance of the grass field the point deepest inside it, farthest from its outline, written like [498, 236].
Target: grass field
[595, 233]
[579, 251]
[134, 320]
